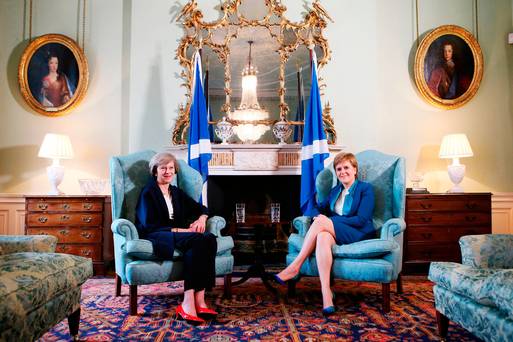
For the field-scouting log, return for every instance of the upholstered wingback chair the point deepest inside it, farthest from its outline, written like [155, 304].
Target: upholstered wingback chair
[136, 264]
[376, 260]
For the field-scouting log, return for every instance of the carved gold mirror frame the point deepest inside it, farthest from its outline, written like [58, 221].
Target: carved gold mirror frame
[287, 34]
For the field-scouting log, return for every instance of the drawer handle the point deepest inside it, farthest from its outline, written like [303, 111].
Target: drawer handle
[42, 206]
[87, 219]
[427, 235]
[471, 205]
[85, 252]
[65, 217]
[426, 206]
[42, 233]
[86, 235]
[88, 206]
[66, 206]
[64, 232]
[64, 248]
[470, 218]
[426, 219]
[42, 219]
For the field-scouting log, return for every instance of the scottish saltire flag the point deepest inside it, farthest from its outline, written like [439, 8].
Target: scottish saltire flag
[200, 151]
[315, 145]
[300, 113]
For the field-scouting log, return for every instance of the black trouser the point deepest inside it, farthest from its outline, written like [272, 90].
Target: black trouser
[199, 257]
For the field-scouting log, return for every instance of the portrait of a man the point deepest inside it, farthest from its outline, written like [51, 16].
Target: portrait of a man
[53, 75]
[448, 67]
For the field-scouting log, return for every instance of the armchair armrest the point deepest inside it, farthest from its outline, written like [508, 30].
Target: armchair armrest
[124, 228]
[27, 243]
[392, 227]
[487, 251]
[302, 223]
[215, 224]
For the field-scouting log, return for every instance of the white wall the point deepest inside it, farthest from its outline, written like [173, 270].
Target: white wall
[134, 90]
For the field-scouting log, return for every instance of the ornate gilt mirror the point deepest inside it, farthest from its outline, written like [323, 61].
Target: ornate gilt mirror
[253, 34]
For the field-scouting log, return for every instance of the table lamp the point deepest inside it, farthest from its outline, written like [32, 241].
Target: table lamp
[56, 147]
[455, 146]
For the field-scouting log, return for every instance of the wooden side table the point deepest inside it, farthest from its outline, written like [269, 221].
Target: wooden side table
[435, 222]
[77, 222]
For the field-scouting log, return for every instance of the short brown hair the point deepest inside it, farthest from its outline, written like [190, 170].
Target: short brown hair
[162, 158]
[342, 157]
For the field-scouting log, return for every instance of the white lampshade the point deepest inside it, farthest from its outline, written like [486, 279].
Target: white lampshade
[455, 146]
[56, 146]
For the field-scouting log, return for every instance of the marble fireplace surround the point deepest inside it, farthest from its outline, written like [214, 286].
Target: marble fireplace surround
[254, 159]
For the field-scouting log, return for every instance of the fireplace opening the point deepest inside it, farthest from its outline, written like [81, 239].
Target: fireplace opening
[257, 237]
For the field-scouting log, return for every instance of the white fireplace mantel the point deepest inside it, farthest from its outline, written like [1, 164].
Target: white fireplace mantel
[254, 159]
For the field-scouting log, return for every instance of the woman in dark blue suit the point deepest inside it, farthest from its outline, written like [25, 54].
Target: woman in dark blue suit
[163, 216]
[345, 217]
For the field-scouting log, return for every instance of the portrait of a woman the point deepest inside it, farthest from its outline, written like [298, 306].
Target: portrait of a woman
[56, 89]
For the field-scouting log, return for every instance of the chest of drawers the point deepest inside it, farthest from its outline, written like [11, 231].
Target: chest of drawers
[76, 221]
[435, 222]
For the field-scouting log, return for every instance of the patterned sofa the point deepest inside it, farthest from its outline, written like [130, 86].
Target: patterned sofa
[477, 294]
[38, 288]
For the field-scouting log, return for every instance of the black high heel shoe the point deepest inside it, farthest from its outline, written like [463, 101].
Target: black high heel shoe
[330, 310]
[279, 280]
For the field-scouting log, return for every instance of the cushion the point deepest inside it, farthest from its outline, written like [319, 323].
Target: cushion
[501, 286]
[143, 249]
[29, 280]
[465, 280]
[372, 248]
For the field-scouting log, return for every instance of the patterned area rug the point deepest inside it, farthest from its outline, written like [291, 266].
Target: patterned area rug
[253, 313]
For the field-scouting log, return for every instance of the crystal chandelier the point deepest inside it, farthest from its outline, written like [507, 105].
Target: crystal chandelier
[249, 111]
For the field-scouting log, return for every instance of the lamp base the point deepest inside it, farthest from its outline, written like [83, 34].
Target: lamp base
[456, 174]
[55, 175]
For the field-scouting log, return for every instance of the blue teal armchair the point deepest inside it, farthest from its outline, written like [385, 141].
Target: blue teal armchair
[136, 264]
[376, 260]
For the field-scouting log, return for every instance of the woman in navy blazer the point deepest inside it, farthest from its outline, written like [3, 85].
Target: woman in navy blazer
[345, 217]
[169, 218]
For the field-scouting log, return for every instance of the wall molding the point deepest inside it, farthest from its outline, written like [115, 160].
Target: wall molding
[502, 213]
[12, 213]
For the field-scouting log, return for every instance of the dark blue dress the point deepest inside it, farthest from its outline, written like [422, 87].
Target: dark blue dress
[355, 223]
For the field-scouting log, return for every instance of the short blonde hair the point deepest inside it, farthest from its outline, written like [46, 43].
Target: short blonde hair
[342, 157]
[162, 158]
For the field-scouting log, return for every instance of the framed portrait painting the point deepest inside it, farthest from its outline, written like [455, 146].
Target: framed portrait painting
[53, 74]
[448, 66]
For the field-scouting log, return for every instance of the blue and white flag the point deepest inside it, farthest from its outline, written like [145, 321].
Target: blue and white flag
[200, 151]
[315, 145]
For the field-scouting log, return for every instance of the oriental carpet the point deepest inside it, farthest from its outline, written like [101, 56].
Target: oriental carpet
[253, 313]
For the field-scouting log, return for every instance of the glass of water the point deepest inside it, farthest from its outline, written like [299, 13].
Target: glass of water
[275, 212]
[240, 212]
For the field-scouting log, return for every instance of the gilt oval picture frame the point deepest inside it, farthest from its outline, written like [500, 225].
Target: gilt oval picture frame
[448, 67]
[53, 74]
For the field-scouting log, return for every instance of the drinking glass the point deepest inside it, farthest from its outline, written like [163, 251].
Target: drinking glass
[275, 212]
[240, 212]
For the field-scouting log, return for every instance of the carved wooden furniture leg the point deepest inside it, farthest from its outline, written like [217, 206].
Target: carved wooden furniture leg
[399, 284]
[227, 286]
[133, 300]
[386, 296]
[73, 323]
[118, 285]
[442, 323]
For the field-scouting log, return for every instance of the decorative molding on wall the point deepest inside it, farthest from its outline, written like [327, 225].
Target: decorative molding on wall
[502, 213]
[12, 214]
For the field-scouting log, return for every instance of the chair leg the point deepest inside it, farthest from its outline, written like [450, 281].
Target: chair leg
[291, 288]
[73, 323]
[118, 286]
[227, 285]
[133, 300]
[443, 324]
[399, 284]
[386, 296]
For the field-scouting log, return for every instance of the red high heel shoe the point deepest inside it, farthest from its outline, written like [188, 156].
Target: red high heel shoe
[205, 311]
[189, 318]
